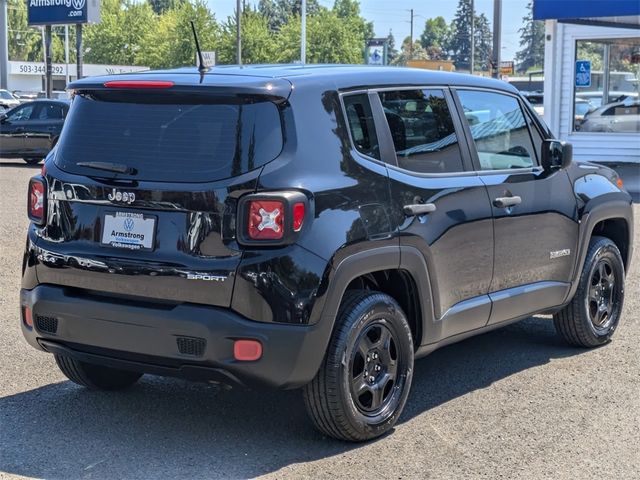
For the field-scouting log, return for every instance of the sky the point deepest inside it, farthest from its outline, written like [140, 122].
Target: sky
[394, 15]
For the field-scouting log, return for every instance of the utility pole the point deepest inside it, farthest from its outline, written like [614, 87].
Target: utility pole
[303, 32]
[79, 53]
[66, 53]
[497, 31]
[473, 50]
[4, 48]
[238, 36]
[411, 37]
[47, 61]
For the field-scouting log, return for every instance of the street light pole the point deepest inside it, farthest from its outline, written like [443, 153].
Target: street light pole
[303, 32]
[411, 37]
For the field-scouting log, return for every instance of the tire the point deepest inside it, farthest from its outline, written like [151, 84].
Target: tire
[372, 337]
[594, 312]
[96, 377]
[32, 161]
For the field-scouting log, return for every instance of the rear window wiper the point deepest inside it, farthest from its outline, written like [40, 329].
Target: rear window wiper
[109, 167]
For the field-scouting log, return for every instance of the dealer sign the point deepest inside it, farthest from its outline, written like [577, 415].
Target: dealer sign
[59, 12]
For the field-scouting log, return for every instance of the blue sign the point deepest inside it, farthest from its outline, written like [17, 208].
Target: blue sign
[60, 12]
[583, 73]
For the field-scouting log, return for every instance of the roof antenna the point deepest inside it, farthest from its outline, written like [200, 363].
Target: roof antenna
[201, 67]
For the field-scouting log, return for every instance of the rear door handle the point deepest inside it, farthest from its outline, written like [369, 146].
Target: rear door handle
[506, 202]
[418, 209]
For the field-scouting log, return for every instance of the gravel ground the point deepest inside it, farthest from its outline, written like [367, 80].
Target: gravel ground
[514, 403]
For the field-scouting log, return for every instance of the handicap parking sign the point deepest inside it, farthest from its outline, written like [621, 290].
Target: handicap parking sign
[583, 73]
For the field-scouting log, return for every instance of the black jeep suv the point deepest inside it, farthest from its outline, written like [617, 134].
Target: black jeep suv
[317, 227]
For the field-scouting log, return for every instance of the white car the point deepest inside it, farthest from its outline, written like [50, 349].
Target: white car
[7, 100]
[614, 117]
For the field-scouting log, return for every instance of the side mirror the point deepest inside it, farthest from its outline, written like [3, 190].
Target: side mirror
[556, 155]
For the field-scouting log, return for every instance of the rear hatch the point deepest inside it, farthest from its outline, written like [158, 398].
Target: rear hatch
[143, 187]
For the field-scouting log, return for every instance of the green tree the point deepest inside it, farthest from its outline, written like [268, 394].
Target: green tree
[329, 40]
[280, 12]
[161, 6]
[460, 42]
[258, 42]
[436, 34]
[409, 52]
[483, 43]
[392, 52]
[25, 42]
[171, 44]
[118, 38]
[531, 53]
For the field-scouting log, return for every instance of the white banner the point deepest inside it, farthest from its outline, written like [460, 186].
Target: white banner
[60, 69]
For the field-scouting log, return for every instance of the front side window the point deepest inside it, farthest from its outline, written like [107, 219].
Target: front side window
[50, 112]
[361, 124]
[21, 114]
[607, 75]
[422, 131]
[499, 130]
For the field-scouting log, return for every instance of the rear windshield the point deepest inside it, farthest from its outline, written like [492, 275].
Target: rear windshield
[169, 139]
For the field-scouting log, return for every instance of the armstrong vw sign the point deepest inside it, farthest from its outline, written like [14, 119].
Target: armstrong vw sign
[59, 12]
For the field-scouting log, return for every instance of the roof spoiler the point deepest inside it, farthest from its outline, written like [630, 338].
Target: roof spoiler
[276, 90]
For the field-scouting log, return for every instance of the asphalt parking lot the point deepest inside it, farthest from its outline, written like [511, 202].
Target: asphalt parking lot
[514, 403]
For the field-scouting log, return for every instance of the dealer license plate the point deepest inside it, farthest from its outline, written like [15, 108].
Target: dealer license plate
[134, 231]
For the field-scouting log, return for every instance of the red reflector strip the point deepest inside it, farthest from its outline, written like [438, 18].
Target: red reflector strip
[298, 216]
[138, 84]
[27, 318]
[247, 350]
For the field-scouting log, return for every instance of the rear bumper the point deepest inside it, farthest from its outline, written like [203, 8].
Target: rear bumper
[144, 337]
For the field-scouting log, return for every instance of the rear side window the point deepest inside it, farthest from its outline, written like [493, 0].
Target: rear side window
[499, 130]
[361, 124]
[422, 130]
[50, 112]
[180, 139]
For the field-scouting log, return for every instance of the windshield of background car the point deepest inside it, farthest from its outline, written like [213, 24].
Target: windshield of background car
[186, 138]
[6, 95]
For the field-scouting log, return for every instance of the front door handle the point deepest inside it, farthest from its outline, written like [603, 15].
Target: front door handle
[418, 209]
[506, 202]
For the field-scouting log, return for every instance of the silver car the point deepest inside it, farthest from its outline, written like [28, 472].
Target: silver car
[621, 117]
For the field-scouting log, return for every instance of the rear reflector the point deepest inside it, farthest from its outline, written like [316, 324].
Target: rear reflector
[298, 216]
[619, 183]
[266, 220]
[247, 350]
[27, 317]
[138, 84]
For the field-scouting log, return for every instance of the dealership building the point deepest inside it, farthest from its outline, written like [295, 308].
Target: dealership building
[592, 79]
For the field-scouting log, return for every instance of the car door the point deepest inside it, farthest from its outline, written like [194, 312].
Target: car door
[12, 130]
[535, 223]
[440, 208]
[44, 125]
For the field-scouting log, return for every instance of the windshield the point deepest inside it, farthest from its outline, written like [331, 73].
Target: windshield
[187, 141]
[6, 95]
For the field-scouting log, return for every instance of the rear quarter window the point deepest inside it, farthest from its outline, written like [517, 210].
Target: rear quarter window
[173, 139]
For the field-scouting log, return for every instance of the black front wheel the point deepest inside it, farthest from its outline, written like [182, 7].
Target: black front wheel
[363, 383]
[594, 312]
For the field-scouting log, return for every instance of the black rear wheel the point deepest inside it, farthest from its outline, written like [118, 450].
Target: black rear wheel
[96, 377]
[363, 383]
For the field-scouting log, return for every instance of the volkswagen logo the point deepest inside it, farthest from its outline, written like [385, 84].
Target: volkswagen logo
[78, 4]
[128, 224]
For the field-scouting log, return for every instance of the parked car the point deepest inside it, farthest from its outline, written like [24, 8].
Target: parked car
[25, 96]
[56, 94]
[31, 130]
[536, 99]
[595, 98]
[623, 117]
[310, 226]
[582, 108]
[7, 100]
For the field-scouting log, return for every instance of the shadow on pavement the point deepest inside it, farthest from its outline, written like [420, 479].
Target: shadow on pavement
[170, 428]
